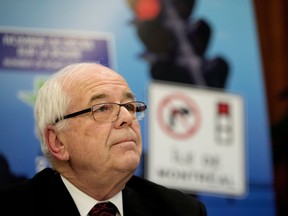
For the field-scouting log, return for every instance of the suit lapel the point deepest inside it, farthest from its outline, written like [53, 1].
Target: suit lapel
[50, 186]
[136, 205]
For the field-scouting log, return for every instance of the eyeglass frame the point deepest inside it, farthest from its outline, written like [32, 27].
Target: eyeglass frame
[74, 114]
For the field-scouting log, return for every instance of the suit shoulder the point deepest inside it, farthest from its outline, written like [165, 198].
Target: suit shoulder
[45, 187]
[167, 196]
[145, 186]
[27, 186]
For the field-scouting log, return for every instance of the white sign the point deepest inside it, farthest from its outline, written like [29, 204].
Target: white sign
[196, 139]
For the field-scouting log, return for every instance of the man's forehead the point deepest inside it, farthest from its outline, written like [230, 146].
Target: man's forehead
[125, 95]
[92, 74]
[103, 73]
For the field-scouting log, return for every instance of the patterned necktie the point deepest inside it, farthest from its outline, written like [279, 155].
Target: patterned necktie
[103, 209]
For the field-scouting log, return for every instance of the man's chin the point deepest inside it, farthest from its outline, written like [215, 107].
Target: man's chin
[128, 164]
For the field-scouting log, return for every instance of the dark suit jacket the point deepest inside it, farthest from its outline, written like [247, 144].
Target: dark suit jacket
[46, 194]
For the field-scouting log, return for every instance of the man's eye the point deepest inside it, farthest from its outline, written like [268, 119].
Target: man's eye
[130, 107]
[102, 108]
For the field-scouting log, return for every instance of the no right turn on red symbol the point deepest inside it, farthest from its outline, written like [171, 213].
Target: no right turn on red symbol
[179, 116]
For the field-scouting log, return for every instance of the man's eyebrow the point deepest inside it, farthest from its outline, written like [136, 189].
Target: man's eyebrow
[127, 95]
[97, 96]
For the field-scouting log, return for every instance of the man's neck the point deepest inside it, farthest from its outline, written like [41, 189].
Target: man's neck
[99, 188]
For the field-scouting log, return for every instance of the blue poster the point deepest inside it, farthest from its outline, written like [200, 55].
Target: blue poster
[27, 58]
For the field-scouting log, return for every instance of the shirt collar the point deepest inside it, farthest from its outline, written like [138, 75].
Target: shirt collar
[85, 203]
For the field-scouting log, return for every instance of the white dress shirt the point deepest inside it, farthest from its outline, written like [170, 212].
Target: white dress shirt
[85, 203]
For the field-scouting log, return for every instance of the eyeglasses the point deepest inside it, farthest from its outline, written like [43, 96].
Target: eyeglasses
[108, 112]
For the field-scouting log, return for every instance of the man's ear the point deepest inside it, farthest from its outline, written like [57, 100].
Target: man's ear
[55, 145]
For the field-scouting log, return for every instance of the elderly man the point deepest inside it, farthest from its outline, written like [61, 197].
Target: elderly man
[87, 120]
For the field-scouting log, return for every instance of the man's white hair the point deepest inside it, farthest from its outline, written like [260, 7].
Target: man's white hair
[53, 100]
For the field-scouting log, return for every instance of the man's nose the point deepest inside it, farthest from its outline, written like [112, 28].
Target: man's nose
[124, 117]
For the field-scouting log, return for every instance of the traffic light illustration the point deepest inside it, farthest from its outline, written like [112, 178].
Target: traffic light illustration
[176, 43]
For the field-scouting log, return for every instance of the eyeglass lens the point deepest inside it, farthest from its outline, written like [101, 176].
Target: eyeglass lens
[108, 112]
